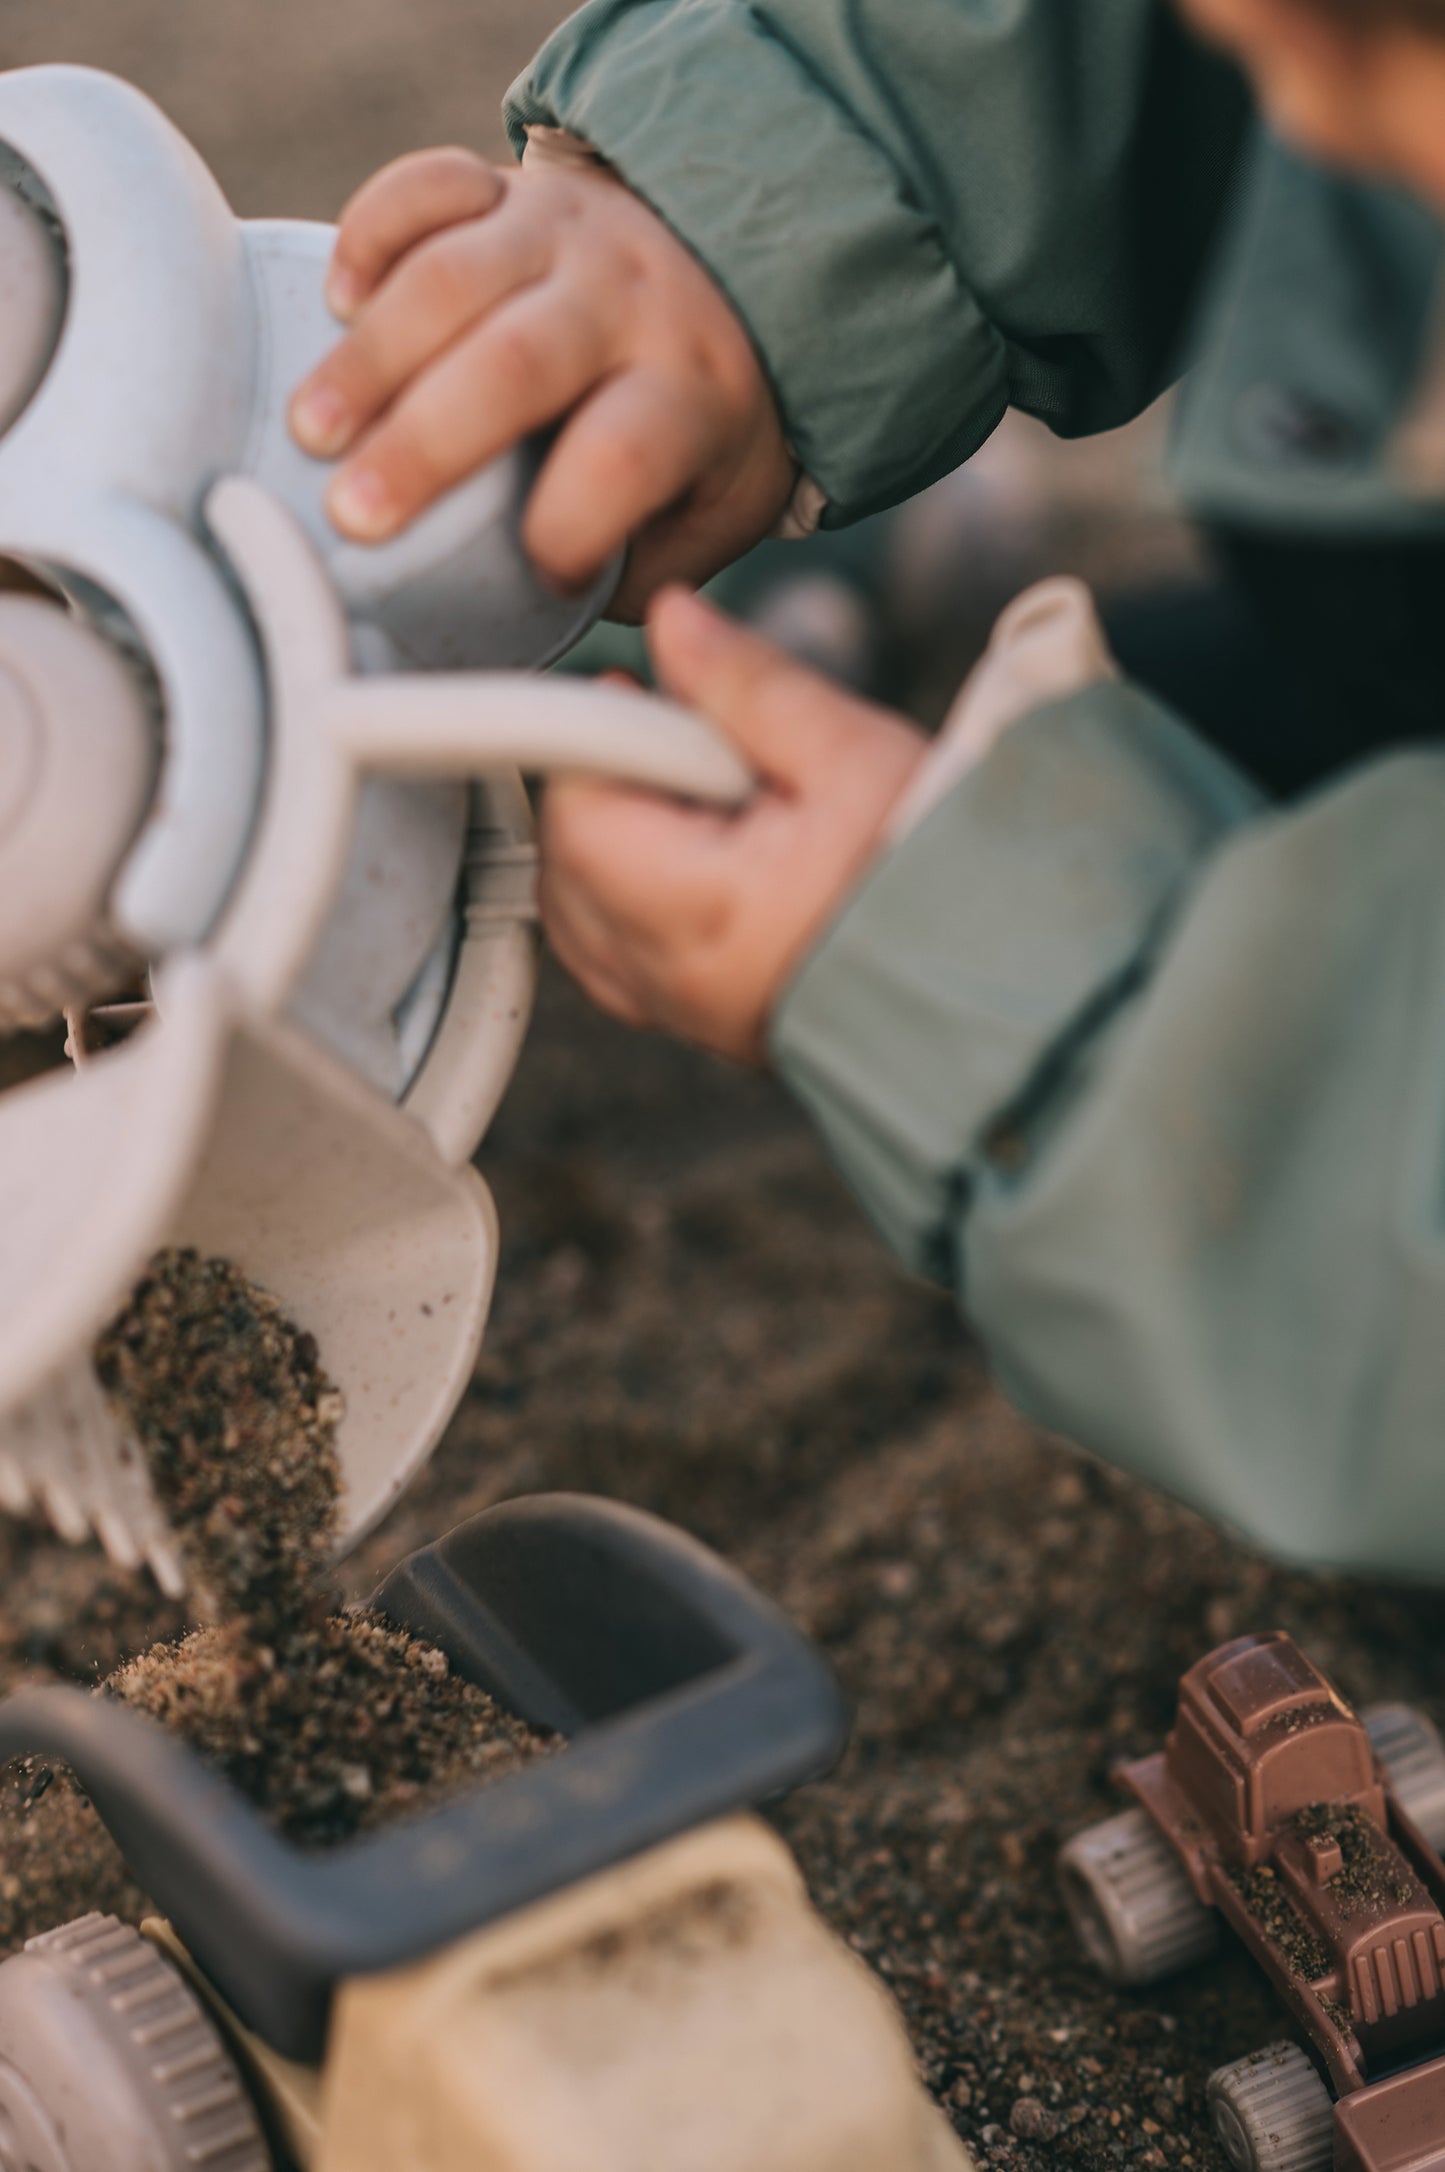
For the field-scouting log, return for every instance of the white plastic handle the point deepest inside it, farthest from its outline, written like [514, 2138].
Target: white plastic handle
[329, 730]
[435, 726]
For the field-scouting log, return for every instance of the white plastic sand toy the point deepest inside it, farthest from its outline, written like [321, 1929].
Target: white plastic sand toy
[264, 786]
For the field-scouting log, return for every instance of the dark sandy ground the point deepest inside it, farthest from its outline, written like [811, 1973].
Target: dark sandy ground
[692, 1317]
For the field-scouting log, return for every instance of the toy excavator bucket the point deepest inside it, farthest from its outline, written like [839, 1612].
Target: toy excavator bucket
[239, 1136]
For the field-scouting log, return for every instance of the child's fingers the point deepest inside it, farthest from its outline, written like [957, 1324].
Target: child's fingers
[396, 208]
[434, 295]
[786, 719]
[515, 373]
[636, 447]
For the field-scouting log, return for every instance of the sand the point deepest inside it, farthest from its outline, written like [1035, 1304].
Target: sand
[331, 1722]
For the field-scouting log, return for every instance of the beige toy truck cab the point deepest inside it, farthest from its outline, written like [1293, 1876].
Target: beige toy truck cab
[1313, 1833]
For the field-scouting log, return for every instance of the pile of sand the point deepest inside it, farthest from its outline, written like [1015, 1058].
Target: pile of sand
[331, 1721]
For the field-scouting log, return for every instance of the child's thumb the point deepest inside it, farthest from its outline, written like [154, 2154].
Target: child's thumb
[782, 717]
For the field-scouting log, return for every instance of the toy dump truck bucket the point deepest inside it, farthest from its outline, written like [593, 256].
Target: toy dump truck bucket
[683, 1694]
[596, 1965]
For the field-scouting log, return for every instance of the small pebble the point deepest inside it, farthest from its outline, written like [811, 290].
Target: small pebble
[1032, 2121]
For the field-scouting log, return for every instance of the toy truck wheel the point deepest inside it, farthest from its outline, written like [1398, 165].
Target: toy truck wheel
[1409, 1747]
[1272, 2112]
[1134, 1911]
[108, 2063]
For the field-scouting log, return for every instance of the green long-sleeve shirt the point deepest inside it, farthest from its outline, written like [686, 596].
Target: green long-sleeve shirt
[926, 212]
[1157, 1079]
[1154, 1077]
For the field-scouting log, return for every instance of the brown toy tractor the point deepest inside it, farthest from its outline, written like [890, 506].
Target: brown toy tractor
[1314, 1834]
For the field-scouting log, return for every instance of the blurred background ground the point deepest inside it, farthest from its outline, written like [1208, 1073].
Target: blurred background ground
[691, 1315]
[294, 102]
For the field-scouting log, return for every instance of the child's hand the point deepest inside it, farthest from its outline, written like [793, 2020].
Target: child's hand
[485, 305]
[694, 921]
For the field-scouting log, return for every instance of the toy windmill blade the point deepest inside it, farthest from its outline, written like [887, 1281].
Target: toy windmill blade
[239, 1136]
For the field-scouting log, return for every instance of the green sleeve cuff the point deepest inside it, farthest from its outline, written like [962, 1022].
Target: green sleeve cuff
[973, 950]
[887, 373]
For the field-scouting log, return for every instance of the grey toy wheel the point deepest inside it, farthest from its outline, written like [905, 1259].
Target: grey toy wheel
[1272, 2112]
[1409, 1747]
[1133, 1908]
[109, 2064]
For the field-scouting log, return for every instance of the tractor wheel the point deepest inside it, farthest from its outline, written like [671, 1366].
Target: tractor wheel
[108, 2063]
[1133, 1908]
[1272, 2112]
[1409, 1747]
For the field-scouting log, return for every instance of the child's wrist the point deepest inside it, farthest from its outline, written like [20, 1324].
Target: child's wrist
[555, 147]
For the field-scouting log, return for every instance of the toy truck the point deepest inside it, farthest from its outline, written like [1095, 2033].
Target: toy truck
[1313, 1833]
[603, 1963]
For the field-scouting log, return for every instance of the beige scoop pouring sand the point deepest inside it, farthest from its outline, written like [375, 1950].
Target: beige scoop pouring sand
[269, 781]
